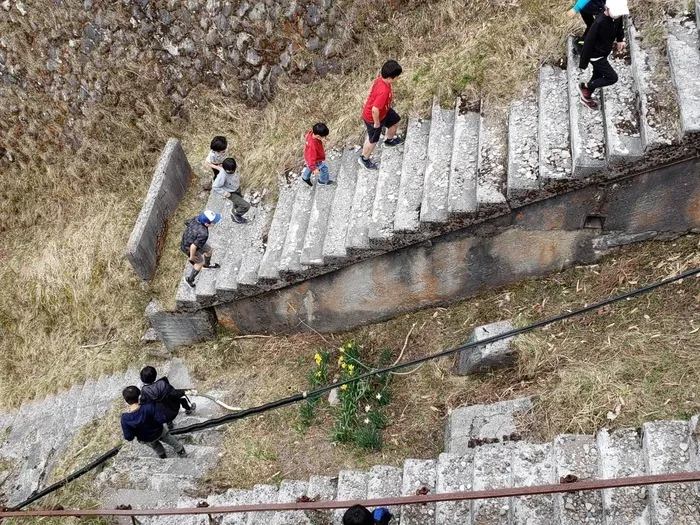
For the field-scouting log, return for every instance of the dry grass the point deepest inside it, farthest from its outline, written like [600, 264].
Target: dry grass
[637, 354]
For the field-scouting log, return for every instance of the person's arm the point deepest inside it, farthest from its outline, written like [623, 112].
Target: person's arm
[127, 431]
[310, 157]
[620, 35]
[193, 252]
[580, 4]
[219, 183]
[588, 46]
[375, 116]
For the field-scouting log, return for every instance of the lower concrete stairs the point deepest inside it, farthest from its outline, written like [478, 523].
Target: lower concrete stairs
[658, 447]
[465, 165]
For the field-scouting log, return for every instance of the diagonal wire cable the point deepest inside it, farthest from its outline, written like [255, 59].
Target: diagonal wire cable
[215, 422]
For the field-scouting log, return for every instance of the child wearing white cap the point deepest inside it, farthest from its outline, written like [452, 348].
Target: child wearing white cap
[194, 243]
[606, 30]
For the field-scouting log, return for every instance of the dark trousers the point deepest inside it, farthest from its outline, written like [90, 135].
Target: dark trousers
[603, 74]
[185, 403]
[588, 19]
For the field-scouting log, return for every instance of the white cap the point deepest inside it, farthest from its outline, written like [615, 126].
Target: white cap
[617, 8]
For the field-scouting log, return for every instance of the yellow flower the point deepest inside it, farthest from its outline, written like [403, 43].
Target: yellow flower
[319, 373]
[351, 368]
[318, 359]
[344, 365]
[342, 350]
[348, 346]
[344, 387]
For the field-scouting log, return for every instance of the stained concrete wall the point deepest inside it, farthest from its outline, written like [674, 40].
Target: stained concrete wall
[532, 241]
[177, 329]
[168, 187]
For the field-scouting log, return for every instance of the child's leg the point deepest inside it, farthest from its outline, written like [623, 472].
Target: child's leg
[391, 121]
[306, 174]
[373, 135]
[240, 205]
[185, 403]
[588, 19]
[603, 74]
[323, 170]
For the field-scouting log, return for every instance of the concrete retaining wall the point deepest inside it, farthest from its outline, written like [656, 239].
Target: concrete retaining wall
[178, 329]
[532, 241]
[168, 187]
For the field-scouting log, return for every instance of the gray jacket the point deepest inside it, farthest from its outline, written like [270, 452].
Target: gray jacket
[226, 182]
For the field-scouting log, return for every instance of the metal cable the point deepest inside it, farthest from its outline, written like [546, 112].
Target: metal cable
[211, 423]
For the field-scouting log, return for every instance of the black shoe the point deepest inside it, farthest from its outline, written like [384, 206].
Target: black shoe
[163, 456]
[215, 265]
[238, 218]
[190, 282]
[191, 410]
[326, 183]
[307, 181]
[182, 453]
[367, 163]
[393, 142]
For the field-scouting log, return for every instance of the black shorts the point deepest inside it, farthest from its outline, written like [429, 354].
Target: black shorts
[373, 134]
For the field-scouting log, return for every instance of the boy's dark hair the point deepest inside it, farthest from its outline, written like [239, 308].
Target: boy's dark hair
[320, 129]
[391, 69]
[229, 165]
[148, 374]
[131, 394]
[218, 143]
[358, 515]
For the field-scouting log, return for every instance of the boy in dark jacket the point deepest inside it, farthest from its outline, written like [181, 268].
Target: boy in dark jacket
[145, 423]
[589, 10]
[605, 31]
[315, 155]
[194, 243]
[359, 515]
[166, 399]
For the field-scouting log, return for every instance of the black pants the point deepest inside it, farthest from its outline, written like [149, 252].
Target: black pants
[603, 74]
[185, 403]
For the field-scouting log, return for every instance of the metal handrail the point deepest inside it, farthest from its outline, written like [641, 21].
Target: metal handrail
[534, 490]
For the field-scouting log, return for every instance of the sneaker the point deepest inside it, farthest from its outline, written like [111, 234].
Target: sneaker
[366, 163]
[584, 91]
[578, 45]
[191, 410]
[393, 142]
[307, 181]
[215, 265]
[590, 103]
[182, 453]
[326, 183]
[162, 456]
[190, 282]
[238, 218]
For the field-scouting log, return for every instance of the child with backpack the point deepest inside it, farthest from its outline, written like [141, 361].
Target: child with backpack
[166, 399]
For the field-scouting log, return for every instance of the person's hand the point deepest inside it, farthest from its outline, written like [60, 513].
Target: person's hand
[228, 195]
[377, 124]
[315, 172]
[571, 13]
[620, 46]
[193, 261]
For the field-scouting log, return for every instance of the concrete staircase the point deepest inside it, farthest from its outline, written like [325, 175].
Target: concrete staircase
[463, 166]
[660, 447]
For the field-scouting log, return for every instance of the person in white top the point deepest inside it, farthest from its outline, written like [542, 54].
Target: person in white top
[217, 153]
[228, 184]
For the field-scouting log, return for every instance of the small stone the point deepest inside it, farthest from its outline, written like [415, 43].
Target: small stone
[253, 57]
[683, 446]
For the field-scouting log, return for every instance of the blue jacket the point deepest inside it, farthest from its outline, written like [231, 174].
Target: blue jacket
[144, 424]
[592, 7]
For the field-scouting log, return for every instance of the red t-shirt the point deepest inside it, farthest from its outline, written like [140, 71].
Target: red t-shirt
[313, 151]
[379, 97]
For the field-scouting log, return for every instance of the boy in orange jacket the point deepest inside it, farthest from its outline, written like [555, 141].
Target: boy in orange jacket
[315, 155]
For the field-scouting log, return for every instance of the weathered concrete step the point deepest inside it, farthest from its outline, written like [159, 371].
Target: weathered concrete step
[357, 236]
[493, 469]
[436, 184]
[577, 455]
[585, 124]
[386, 197]
[523, 152]
[289, 492]
[233, 497]
[655, 117]
[352, 484]
[415, 159]
[334, 244]
[666, 446]
[269, 265]
[684, 58]
[139, 499]
[553, 127]
[533, 464]
[465, 161]
[205, 291]
[621, 456]
[312, 248]
[262, 494]
[247, 278]
[418, 474]
[322, 488]
[492, 177]
[385, 482]
[623, 139]
[454, 473]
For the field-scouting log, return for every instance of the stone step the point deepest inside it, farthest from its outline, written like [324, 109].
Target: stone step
[205, 290]
[385, 482]
[577, 455]
[386, 197]
[262, 494]
[533, 464]
[269, 265]
[289, 492]
[233, 497]
[415, 160]
[553, 127]
[352, 485]
[436, 185]
[666, 446]
[185, 297]
[290, 260]
[312, 248]
[139, 499]
[418, 475]
[334, 250]
[454, 474]
[493, 469]
[523, 152]
[684, 58]
[493, 157]
[322, 488]
[585, 125]
[84, 411]
[656, 126]
[623, 139]
[620, 455]
[465, 161]
[357, 236]
[247, 278]
[210, 437]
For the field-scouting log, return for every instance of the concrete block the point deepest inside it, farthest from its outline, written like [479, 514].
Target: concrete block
[290, 259]
[454, 473]
[553, 126]
[269, 265]
[352, 485]
[415, 160]
[168, 187]
[493, 159]
[262, 494]
[385, 482]
[434, 206]
[323, 488]
[232, 497]
[465, 161]
[418, 475]
[533, 464]
[289, 492]
[493, 469]
[178, 329]
[523, 152]
[491, 356]
[247, 279]
[577, 455]
[334, 244]
[357, 236]
[684, 59]
[385, 199]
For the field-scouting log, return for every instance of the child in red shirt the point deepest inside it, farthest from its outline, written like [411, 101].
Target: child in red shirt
[379, 114]
[315, 155]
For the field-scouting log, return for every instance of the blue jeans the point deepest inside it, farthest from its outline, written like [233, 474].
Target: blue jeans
[322, 168]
